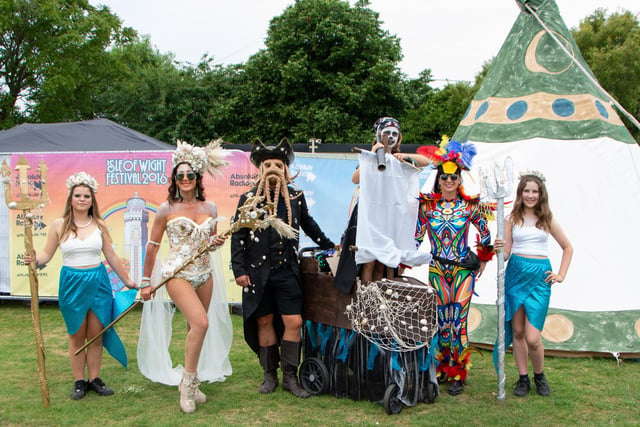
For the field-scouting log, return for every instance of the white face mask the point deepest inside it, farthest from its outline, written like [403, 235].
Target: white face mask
[391, 135]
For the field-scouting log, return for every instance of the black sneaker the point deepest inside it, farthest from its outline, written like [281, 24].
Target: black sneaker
[542, 388]
[99, 387]
[79, 390]
[456, 388]
[522, 387]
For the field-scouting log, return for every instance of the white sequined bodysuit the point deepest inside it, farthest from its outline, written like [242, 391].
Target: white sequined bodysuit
[186, 237]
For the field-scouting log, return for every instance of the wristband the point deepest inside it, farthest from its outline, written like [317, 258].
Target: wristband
[144, 285]
[151, 242]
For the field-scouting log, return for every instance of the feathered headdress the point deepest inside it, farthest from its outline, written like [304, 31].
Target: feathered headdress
[210, 158]
[450, 154]
[82, 178]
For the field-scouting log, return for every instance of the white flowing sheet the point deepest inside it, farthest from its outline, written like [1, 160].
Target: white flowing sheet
[387, 213]
[154, 360]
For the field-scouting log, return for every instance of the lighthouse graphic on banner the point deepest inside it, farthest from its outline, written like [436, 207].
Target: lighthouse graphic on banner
[136, 219]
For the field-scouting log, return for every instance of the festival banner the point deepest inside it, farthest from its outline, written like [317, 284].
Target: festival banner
[131, 187]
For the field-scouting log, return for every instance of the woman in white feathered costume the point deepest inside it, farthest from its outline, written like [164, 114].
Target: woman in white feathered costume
[198, 290]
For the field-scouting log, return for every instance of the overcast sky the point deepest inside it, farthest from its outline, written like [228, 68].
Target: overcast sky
[452, 37]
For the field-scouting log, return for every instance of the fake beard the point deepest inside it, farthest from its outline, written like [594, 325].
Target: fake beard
[275, 179]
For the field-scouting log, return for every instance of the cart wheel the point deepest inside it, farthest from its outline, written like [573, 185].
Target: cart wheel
[314, 376]
[432, 393]
[392, 404]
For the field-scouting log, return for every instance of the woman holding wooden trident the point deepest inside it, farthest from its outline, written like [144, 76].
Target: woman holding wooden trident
[84, 295]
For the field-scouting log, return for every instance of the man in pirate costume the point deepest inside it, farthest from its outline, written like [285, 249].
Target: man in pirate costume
[445, 217]
[266, 266]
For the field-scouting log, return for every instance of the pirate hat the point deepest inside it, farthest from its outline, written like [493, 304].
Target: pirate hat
[282, 151]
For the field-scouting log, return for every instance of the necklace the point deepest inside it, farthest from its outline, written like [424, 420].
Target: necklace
[85, 225]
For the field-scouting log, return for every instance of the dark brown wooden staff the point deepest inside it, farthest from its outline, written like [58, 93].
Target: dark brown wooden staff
[250, 216]
[25, 204]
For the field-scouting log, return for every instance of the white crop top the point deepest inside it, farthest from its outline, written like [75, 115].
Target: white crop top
[529, 241]
[80, 253]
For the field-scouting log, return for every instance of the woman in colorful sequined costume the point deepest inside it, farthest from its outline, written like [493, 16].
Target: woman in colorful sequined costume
[529, 276]
[85, 296]
[190, 223]
[445, 217]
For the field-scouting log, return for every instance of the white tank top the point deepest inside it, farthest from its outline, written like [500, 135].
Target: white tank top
[529, 241]
[80, 253]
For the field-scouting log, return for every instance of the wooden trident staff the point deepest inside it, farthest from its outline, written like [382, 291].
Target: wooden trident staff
[25, 204]
[251, 215]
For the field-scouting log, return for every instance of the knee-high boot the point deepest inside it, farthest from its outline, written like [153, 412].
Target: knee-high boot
[290, 354]
[269, 358]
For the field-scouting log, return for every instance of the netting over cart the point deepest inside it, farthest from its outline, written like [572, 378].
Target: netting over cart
[395, 314]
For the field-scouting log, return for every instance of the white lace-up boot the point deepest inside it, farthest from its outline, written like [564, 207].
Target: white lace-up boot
[187, 388]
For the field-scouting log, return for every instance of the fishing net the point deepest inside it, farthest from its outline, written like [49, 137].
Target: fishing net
[397, 315]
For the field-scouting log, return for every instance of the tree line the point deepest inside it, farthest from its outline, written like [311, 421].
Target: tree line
[328, 71]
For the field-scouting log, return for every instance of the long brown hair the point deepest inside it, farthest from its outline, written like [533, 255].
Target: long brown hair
[541, 209]
[69, 224]
[171, 196]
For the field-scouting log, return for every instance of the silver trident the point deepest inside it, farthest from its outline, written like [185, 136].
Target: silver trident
[498, 187]
[25, 203]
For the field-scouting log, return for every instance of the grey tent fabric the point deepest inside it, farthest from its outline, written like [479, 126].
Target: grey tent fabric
[90, 135]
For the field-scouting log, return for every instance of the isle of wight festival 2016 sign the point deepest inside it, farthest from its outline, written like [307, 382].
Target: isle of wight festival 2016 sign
[131, 187]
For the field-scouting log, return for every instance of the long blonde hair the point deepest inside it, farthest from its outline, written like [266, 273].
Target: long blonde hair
[68, 223]
[541, 209]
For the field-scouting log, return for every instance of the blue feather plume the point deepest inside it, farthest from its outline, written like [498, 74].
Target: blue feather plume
[467, 154]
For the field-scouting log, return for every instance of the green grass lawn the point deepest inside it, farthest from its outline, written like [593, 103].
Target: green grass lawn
[585, 391]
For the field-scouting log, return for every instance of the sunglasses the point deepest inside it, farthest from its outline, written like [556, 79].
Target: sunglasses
[190, 176]
[452, 176]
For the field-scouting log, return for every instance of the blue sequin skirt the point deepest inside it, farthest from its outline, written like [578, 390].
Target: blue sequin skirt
[524, 286]
[81, 290]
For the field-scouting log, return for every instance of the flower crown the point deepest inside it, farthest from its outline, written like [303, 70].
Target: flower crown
[201, 159]
[450, 154]
[532, 172]
[82, 178]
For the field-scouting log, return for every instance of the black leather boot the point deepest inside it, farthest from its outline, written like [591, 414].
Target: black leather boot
[290, 354]
[269, 359]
